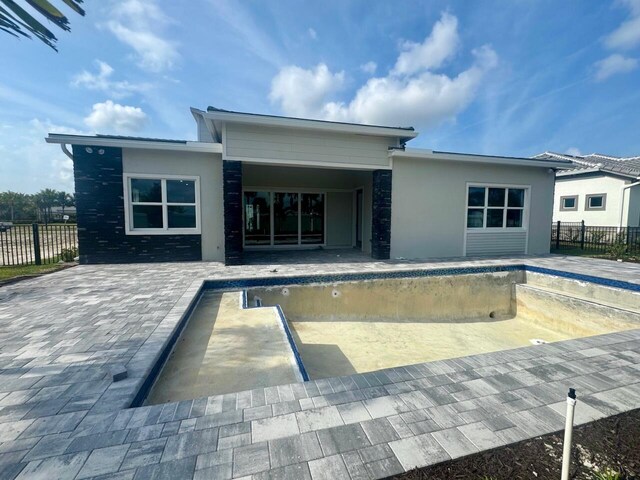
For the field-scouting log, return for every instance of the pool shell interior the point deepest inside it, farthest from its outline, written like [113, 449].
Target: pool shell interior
[341, 328]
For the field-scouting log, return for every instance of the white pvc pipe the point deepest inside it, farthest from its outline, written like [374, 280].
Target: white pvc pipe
[568, 433]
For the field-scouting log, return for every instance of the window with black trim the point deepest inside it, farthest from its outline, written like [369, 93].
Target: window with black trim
[569, 203]
[159, 204]
[492, 207]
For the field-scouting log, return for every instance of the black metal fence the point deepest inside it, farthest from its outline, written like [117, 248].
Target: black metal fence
[37, 244]
[572, 235]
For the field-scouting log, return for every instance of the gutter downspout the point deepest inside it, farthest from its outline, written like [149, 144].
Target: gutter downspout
[631, 185]
[66, 151]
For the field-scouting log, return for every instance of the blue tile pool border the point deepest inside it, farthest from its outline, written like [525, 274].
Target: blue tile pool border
[292, 344]
[607, 282]
[242, 283]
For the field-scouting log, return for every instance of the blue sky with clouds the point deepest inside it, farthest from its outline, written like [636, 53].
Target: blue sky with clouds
[490, 77]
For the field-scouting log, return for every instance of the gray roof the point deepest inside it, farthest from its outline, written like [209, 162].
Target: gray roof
[626, 166]
[216, 109]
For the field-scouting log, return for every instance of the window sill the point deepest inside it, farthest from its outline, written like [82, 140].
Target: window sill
[174, 231]
[496, 230]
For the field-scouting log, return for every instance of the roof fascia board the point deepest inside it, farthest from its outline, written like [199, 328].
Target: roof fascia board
[298, 163]
[248, 118]
[470, 158]
[203, 147]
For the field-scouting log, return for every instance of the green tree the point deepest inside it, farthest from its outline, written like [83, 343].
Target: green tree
[45, 199]
[16, 21]
[14, 205]
[63, 200]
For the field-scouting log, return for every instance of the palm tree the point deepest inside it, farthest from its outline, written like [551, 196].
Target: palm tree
[11, 201]
[45, 199]
[16, 21]
[63, 199]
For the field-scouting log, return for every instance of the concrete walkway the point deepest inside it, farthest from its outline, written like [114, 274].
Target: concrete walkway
[61, 416]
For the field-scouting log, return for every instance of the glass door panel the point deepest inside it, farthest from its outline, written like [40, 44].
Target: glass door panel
[257, 218]
[312, 218]
[285, 218]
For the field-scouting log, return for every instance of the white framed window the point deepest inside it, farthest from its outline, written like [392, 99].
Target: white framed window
[569, 203]
[494, 207]
[161, 204]
[596, 201]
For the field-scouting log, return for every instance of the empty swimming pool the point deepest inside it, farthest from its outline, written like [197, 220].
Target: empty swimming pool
[260, 336]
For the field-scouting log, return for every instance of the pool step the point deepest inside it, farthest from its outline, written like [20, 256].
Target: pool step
[600, 294]
[571, 314]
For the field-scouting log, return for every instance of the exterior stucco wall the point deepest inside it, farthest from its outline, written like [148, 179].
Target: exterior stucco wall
[337, 183]
[584, 185]
[429, 212]
[245, 142]
[206, 166]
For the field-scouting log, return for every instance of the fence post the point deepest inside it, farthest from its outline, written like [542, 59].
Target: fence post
[558, 236]
[582, 232]
[36, 244]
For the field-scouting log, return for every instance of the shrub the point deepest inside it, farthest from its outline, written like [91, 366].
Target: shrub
[619, 247]
[68, 254]
[608, 474]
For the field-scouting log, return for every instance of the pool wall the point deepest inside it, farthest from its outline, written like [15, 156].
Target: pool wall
[485, 296]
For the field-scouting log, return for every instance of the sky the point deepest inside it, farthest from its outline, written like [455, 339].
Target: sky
[488, 77]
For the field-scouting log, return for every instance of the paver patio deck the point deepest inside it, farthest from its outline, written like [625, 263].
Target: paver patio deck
[62, 416]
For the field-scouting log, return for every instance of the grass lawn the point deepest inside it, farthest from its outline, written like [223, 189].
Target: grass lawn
[7, 273]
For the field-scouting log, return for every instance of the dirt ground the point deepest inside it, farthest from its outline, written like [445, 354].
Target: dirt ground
[608, 445]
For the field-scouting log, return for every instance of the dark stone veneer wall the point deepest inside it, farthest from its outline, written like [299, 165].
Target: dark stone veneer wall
[100, 207]
[381, 215]
[232, 192]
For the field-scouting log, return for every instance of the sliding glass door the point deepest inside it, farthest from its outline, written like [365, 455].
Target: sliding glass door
[257, 218]
[283, 218]
[312, 219]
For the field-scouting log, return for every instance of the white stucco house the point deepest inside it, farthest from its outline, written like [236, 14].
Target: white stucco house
[599, 189]
[253, 182]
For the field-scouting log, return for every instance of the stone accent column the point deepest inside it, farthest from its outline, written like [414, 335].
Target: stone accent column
[381, 215]
[232, 191]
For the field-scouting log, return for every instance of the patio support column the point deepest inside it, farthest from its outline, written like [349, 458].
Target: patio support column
[381, 215]
[232, 192]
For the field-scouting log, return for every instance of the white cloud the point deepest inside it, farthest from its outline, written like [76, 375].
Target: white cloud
[369, 67]
[440, 45]
[116, 118]
[408, 95]
[613, 65]
[313, 34]
[139, 24]
[425, 99]
[102, 81]
[573, 151]
[302, 93]
[627, 35]
[29, 164]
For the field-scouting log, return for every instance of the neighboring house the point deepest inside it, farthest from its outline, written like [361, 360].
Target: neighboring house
[599, 189]
[58, 212]
[255, 182]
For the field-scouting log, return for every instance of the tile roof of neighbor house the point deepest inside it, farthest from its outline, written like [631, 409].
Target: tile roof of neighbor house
[627, 166]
